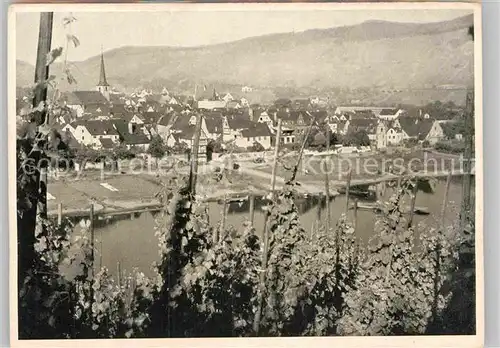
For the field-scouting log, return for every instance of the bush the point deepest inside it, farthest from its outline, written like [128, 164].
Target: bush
[356, 138]
[450, 146]
[157, 148]
[256, 147]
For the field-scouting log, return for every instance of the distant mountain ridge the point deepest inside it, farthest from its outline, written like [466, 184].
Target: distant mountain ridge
[373, 54]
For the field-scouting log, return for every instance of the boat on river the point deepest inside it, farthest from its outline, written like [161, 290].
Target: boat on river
[377, 208]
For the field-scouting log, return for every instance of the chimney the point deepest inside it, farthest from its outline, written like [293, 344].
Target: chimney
[420, 112]
[130, 128]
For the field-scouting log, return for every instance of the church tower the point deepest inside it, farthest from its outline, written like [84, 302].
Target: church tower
[103, 85]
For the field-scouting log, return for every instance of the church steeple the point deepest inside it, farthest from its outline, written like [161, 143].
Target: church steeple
[103, 85]
[102, 76]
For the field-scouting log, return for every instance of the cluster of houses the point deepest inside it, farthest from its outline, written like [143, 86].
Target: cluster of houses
[386, 126]
[103, 118]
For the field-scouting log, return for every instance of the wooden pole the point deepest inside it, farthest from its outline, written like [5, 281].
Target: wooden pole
[100, 254]
[92, 237]
[347, 188]
[412, 204]
[276, 153]
[327, 181]
[467, 178]
[59, 214]
[41, 67]
[265, 237]
[355, 215]
[301, 152]
[193, 175]
[119, 273]
[318, 210]
[445, 200]
[222, 231]
[252, 208]
[27, 223]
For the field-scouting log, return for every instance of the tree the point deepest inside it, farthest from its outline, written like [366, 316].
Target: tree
[317, 139]
[256, 147]
[157, 148]
[122, 152]
[215, 146]
[451, 129]
[356, 138]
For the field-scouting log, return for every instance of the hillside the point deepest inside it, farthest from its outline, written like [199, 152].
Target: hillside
[374, 54]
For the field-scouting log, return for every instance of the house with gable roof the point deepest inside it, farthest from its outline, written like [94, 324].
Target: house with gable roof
[227, 97]
[422, 129]
[132, 137]
[232, 125]
[90, 132]
[214, 124]
[390, 114]
[265, 118]
[84, 102]
[255, 133]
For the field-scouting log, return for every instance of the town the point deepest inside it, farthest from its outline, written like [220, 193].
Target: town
[104, 118]
[312, 183]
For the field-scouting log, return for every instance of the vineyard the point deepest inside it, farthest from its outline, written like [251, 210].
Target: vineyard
[215, 281]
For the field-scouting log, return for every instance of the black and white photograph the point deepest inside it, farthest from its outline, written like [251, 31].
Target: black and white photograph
[246, 170]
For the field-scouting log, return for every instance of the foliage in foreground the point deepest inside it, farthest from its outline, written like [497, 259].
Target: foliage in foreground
[209, 280]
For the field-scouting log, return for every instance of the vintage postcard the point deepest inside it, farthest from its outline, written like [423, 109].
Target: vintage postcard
[246, 174]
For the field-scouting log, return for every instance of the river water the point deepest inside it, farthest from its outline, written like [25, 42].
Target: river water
[132, 242]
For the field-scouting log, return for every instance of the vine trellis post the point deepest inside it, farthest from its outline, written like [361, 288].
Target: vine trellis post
[265, 236]
[223, 221]
[27, 222]
[445, 200]
[251, 199]
[467, 178]
[327, 180]
[59, 214]
[412, 204]
[347, 188]
[355, 225]
[193, 174]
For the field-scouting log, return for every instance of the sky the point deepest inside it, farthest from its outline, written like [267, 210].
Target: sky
[111, 30]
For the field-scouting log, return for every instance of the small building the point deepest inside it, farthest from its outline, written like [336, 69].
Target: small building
[257, 133]
[211, 104]
[422, 129]
[264, 118]
[390, 114]
[89, 133]
[246, 89]
[83, 102]
[227, 97]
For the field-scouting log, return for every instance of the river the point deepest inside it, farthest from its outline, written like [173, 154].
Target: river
[132, 242]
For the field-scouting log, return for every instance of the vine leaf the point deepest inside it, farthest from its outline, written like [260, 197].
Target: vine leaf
[53, 55]
[69, 77]
[73, 39]
[68, 20]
